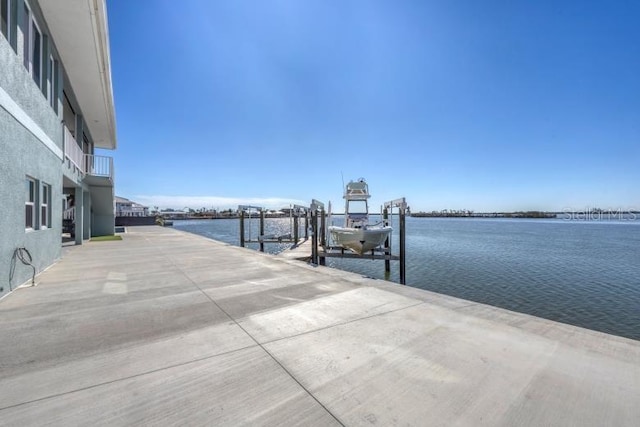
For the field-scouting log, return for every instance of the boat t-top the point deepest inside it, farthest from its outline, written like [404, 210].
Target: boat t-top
[357, 234]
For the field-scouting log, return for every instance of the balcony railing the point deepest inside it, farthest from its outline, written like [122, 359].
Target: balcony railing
[87, 164]
[99, 165]
[72, 151]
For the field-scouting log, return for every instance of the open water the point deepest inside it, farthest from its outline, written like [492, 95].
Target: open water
[581, 272]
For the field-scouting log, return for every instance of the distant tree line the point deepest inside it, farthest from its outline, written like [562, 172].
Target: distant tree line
[205, 213]
[466, 213]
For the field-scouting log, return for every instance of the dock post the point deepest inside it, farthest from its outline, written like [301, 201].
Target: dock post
[242, 228]
[323, 236]
[387, 262]
[314, 237]
[306, 225]
[295, 229]
[261, 237]
[403, 277]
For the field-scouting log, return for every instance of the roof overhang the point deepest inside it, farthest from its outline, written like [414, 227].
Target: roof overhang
[81, 35]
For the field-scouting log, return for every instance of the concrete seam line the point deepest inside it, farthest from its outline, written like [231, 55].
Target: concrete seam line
[265, 350]
[269, 353]
[346, 322]
[141, 374]
[252, 338]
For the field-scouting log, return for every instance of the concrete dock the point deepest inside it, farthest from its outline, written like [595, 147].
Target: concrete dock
[166, 328]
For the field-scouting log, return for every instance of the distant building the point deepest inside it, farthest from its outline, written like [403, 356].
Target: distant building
[125, 207]
[56, 109]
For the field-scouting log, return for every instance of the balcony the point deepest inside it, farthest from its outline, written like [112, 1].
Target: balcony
[96, 170]
[98, 166]
[74, 157]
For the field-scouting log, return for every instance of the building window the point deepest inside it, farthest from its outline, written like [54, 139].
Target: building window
[55, 85]
[45, 206]
[32, 47]
[5, 18]
[50, 80]
[30, 205]
[36, 54]
[26, 32]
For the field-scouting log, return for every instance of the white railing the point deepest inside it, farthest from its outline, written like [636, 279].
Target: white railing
[87, 163]
[72, 151]
[99, 165]
[69, 213]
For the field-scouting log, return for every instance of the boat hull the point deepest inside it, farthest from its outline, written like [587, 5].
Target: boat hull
[359, 240]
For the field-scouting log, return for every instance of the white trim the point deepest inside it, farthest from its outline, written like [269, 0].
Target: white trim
[23, 118]
[45, 203]
[32, 204]
[84, 51]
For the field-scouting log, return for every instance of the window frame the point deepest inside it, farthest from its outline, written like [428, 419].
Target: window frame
[33, 38]
[358, 206]
[55, 84]
[36, 55]
[25, 26]
[45, 206]
[30, 204]
[50, 77]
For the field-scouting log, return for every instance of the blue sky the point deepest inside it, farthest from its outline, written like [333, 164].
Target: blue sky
[483, 105]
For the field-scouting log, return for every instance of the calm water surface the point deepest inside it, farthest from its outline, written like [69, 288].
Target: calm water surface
[585, 273]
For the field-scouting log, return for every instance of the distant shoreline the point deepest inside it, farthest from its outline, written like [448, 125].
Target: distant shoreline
[568, 215]
[529, 214]
[575, 215]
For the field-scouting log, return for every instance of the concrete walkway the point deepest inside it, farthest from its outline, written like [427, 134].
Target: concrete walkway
[167, 328]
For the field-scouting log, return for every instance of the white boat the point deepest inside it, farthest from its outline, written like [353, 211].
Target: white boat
[357, 234]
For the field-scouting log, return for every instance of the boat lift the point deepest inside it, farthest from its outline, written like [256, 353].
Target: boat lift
[315, 222]
[296, 212]
[321, 249]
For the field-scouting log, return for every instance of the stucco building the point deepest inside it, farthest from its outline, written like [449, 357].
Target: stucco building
[56, 109]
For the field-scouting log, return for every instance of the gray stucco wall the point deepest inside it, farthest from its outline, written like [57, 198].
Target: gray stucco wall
[15, 80]
[22, 154]
[102, 211]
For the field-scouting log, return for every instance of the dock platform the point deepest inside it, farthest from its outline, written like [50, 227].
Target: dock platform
[300, 251]
[171, 328]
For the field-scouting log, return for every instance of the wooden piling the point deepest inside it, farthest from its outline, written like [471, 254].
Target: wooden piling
[314, 236]
[242, 228]
[306, 225]
[403, 276]
[261, 236]
[387, 263]
[323, 234]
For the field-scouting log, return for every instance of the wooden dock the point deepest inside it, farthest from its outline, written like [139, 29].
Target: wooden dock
[300, 251]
